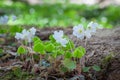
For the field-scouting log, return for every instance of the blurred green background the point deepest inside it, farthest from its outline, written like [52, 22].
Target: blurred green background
[58, 14]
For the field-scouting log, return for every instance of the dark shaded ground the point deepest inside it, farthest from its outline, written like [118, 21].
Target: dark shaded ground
[102, 49]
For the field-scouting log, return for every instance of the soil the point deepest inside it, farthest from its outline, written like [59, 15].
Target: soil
[103, 49]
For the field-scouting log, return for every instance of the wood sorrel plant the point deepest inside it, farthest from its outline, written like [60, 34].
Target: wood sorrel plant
[81, 33]
[58, 53]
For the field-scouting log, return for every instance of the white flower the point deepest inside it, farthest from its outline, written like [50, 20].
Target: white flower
[58, 33]
[4, 19]
[78, 31]
[26, 35]
[92, 27]
[58, 36]
[32, 31]
[87, 34]
[81, 33]
[18, 36]
[63, 42]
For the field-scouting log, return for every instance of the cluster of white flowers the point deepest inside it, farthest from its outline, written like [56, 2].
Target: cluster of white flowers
[78, 31]
[81, 33]
[58, 36]
[26, 34]
[5, 19]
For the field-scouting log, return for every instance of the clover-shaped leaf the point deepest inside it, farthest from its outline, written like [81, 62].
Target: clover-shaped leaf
[49, 47]
[36, 40]
[86, 69]
[96, 68]
[68, 55]
[54, 54]
[21, 50]
[51, 38]
[69, 45]
[39, 47]
[69, 64]
[79, 52]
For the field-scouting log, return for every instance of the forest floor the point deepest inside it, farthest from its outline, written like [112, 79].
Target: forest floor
[103, 49]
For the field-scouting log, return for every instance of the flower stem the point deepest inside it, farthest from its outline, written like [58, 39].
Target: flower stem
[82, 60]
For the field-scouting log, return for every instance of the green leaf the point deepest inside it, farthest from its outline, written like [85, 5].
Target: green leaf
[63, 69]
[86, 69]
[2, 31]
[68, 55]
[54, 54]
[79, 52]
[14, 29]
[21, 50]
[96, 68]
[69, 64]
[36, 57]
[51, 38]
[49, 47]
[70, 45]
[60, 51]
[39, 47]
[1, 51]
[36, 39]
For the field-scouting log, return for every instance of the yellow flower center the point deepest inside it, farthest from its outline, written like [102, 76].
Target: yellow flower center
[80, 31]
